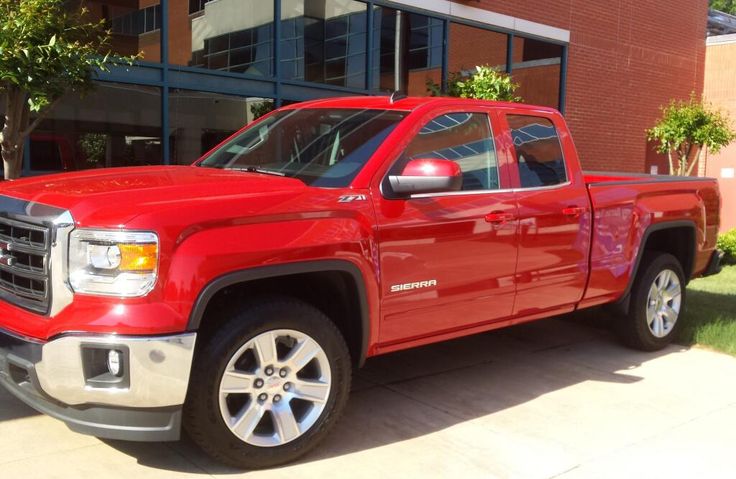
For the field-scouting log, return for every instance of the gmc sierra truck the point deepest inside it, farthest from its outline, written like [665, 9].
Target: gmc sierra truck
[233, 297]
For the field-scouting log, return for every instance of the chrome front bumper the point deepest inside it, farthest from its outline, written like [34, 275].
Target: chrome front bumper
[56, 378]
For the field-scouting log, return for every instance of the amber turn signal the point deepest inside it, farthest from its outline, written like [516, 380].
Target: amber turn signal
[138, 257]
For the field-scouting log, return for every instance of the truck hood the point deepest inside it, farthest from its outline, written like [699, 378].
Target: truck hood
[113, 196]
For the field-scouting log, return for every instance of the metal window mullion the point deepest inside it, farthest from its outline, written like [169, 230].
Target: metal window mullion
[509, 53]
[563, 79]
[445, 54]
[369, 48]
[277, 52]
[165, 143]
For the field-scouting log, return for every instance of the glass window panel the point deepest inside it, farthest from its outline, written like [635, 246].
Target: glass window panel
[241, 39]
[536, 69]
[241, 56]
[200, 121]
[409, 52]
[336, 48]
[218, 62]
[464, 138]
[335, 27]
[538, 152]
[114, 125]
[325, 33]
[150, 19]
[196, 6]
[324, 148]
[219, 44]
[134, 28]
[464, 53]
[219, 26]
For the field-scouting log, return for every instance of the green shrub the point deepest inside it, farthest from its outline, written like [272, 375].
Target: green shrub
[485, 83]
[727, 244]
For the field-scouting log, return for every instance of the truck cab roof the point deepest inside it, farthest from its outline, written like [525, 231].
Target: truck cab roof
[408, 103]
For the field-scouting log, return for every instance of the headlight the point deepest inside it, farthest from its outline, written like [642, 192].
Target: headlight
[113, 263]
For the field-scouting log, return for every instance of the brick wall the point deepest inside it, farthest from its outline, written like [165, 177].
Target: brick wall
[720, 90]
[626, 58]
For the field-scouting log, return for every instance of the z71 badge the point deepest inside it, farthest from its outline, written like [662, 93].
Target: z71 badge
[419, 284]
[351, 198]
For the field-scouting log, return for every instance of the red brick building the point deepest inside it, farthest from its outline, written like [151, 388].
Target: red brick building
[210, 65]
[720, 90]
[624, 62]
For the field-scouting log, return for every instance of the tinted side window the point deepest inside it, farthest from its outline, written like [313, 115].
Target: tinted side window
[461, 137]
[538, 151]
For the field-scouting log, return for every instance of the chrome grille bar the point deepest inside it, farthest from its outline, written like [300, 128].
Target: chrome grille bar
[24, 264]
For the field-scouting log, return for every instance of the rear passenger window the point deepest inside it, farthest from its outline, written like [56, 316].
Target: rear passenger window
[461, 137]
[538, 151]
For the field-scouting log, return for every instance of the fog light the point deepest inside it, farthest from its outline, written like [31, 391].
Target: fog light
[114, 362]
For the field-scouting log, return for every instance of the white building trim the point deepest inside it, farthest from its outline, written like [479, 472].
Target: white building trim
[721, 39]
[466, 12]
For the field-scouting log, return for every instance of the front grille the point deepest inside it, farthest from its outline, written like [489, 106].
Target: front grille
[24, 264]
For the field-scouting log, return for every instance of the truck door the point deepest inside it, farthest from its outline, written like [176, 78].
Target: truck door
[448, 259]
[554, 214]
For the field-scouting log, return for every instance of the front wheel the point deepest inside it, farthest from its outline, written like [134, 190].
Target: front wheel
[269, 385]
[657, 299]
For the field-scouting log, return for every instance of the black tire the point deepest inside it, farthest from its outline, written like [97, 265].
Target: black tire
[633, 328]
[202, 419]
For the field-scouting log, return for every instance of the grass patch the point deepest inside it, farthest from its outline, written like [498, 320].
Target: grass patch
[710, 313]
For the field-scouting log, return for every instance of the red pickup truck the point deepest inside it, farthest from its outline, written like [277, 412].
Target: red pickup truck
[235, 295]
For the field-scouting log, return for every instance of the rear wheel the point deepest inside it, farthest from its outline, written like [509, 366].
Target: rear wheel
[657, 299]
[269, 385]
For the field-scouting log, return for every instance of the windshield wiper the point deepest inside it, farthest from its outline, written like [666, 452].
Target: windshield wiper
[255, 169]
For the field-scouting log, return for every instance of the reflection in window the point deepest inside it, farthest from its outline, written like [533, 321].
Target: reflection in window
[461, 137]
[138, 22]
[324, 41]
[322, 147]
[200, 121]
[197, 5]
[470, 47]
[538, 151]
[407, 50]
[114, 125]
[223, 36]
[536, 69]
[134, 28]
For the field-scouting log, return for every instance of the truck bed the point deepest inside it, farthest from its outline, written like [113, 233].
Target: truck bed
[628, 207]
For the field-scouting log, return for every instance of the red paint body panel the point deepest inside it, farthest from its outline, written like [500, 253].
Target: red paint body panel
[497, 257]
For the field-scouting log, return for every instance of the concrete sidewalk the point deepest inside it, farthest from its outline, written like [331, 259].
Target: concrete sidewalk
[548, 399]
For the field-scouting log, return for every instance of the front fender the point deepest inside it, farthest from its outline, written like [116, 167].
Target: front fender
[209, 260]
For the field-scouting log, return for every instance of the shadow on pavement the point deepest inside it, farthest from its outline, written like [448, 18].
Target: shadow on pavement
[414, 393]
[12, 408]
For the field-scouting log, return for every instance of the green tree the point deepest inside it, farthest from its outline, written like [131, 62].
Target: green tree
[484, 84]
[261, 108]
[685, 129]
[728, 6]
[46, 50]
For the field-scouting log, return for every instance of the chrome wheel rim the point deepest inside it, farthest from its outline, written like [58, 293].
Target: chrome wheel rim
[274, 388]
[663, 303]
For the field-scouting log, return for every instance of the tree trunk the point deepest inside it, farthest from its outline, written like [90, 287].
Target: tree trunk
[11, 137]
[696, 161]
[702, 161]
[12, 163]
[671, 164]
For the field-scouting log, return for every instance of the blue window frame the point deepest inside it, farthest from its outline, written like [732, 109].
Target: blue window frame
[270, 62]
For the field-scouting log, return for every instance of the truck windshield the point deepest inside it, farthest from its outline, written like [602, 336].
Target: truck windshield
[321, 147]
